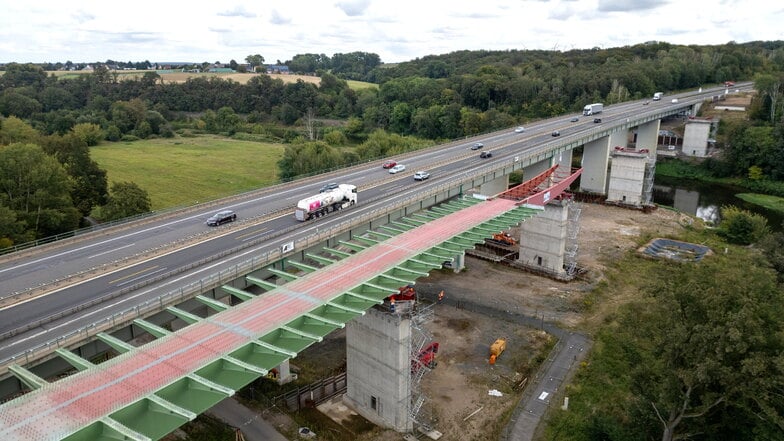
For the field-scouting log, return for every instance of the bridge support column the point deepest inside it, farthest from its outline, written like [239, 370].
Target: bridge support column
[535, 169]
[378, 367]
[543, 239]
[648, 136]
[596, 159]
[492, 188]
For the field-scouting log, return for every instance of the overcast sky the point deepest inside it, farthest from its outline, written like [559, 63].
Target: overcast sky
[396, 30]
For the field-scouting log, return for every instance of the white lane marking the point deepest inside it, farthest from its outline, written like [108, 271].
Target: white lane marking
[111, 251]
[141, 276]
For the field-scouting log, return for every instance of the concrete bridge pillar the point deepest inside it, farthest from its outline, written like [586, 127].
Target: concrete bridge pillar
[543, 239]
[378, 368]
[596, 158]
[648, 137]
[535, 169]
[492, 188]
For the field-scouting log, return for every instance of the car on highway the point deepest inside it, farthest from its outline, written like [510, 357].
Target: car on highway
[575, 119]
[328, 187]
[421, 175]
[397, 168]
[477, 146]
[486, 155]
[597, 120]
[645, 103]
[388, 164]
[221, 217]
[556, 133]
[520, 129]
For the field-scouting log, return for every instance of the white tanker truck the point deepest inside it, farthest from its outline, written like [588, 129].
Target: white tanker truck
[333, 200]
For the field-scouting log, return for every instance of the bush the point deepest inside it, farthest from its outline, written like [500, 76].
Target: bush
[742, 227]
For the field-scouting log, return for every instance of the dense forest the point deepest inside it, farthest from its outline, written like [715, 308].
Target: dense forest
[50, 123]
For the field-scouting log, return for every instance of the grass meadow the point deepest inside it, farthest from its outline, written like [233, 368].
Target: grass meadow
[185, 171]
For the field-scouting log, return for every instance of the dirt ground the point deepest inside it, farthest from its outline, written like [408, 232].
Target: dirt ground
[482, 304]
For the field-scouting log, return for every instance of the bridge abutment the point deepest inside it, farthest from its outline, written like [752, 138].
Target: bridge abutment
[543, 239]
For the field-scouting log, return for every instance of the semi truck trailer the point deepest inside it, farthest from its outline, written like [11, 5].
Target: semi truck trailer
[332, 200]
[593, 109]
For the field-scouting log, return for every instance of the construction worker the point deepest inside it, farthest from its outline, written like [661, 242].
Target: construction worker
[441, 295]
[392, 304]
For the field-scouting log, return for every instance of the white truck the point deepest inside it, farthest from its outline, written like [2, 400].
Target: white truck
[593, 109]
[657, 96]
[333, 200]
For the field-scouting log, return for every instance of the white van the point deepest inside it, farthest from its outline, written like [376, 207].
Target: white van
[675, 100]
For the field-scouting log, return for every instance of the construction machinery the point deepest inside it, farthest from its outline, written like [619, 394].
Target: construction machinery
[503, 239]
[426, 358]
[496, 349]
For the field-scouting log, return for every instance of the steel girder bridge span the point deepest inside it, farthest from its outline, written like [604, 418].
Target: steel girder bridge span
[148, 391]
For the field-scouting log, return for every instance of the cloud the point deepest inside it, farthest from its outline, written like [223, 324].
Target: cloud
[82, 16]
[627, 6]
[238, 11]
[353, 8]
[278, 19]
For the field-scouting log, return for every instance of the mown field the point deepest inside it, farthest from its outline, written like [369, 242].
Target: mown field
[242, 78]
[185, 171]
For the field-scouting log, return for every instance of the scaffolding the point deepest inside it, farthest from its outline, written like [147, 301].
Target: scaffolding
[572, 234]
[419, 315]
[647, 184]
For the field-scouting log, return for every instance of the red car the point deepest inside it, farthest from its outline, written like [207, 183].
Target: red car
[389, 164]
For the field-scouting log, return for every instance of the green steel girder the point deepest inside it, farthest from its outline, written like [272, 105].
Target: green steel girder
[288, 340]
[320, 259]
[216, 305]
[487, 230]
[25, 376]
[194, 393]
[443, 253]
[410, 272]
[166, 404]
[434, 259]
[403, 226]
[74, 360]
[334, 324]
[305, 334]
[304, 267]
[185, 316]
[237, 292]
[497, 224]
[264, 356]
[406, 281]
[374, 233]
[116, 344]
[393, 230]
[472, 236]
[355, 297]
[424, 263]
[424, 216]
[269, 286]
[461, 242]
[106, 429]
[282, 274]
[369, 288]
[247, 366]
[353, 246]
[229, 374]
[155, 330]
[149, 418]
[341, 310]
[414, 222]
[444, 209]
[367, 240]
[336, 252]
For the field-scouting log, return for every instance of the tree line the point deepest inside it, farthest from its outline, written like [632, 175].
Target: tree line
[416, 103]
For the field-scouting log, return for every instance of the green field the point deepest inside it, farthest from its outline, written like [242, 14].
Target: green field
[185, 171]
[774, 203]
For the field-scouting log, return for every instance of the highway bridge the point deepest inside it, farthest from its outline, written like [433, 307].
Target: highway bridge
[64, 294]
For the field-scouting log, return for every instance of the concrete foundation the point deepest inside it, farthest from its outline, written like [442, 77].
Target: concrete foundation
[378, 368]
[543, 239]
